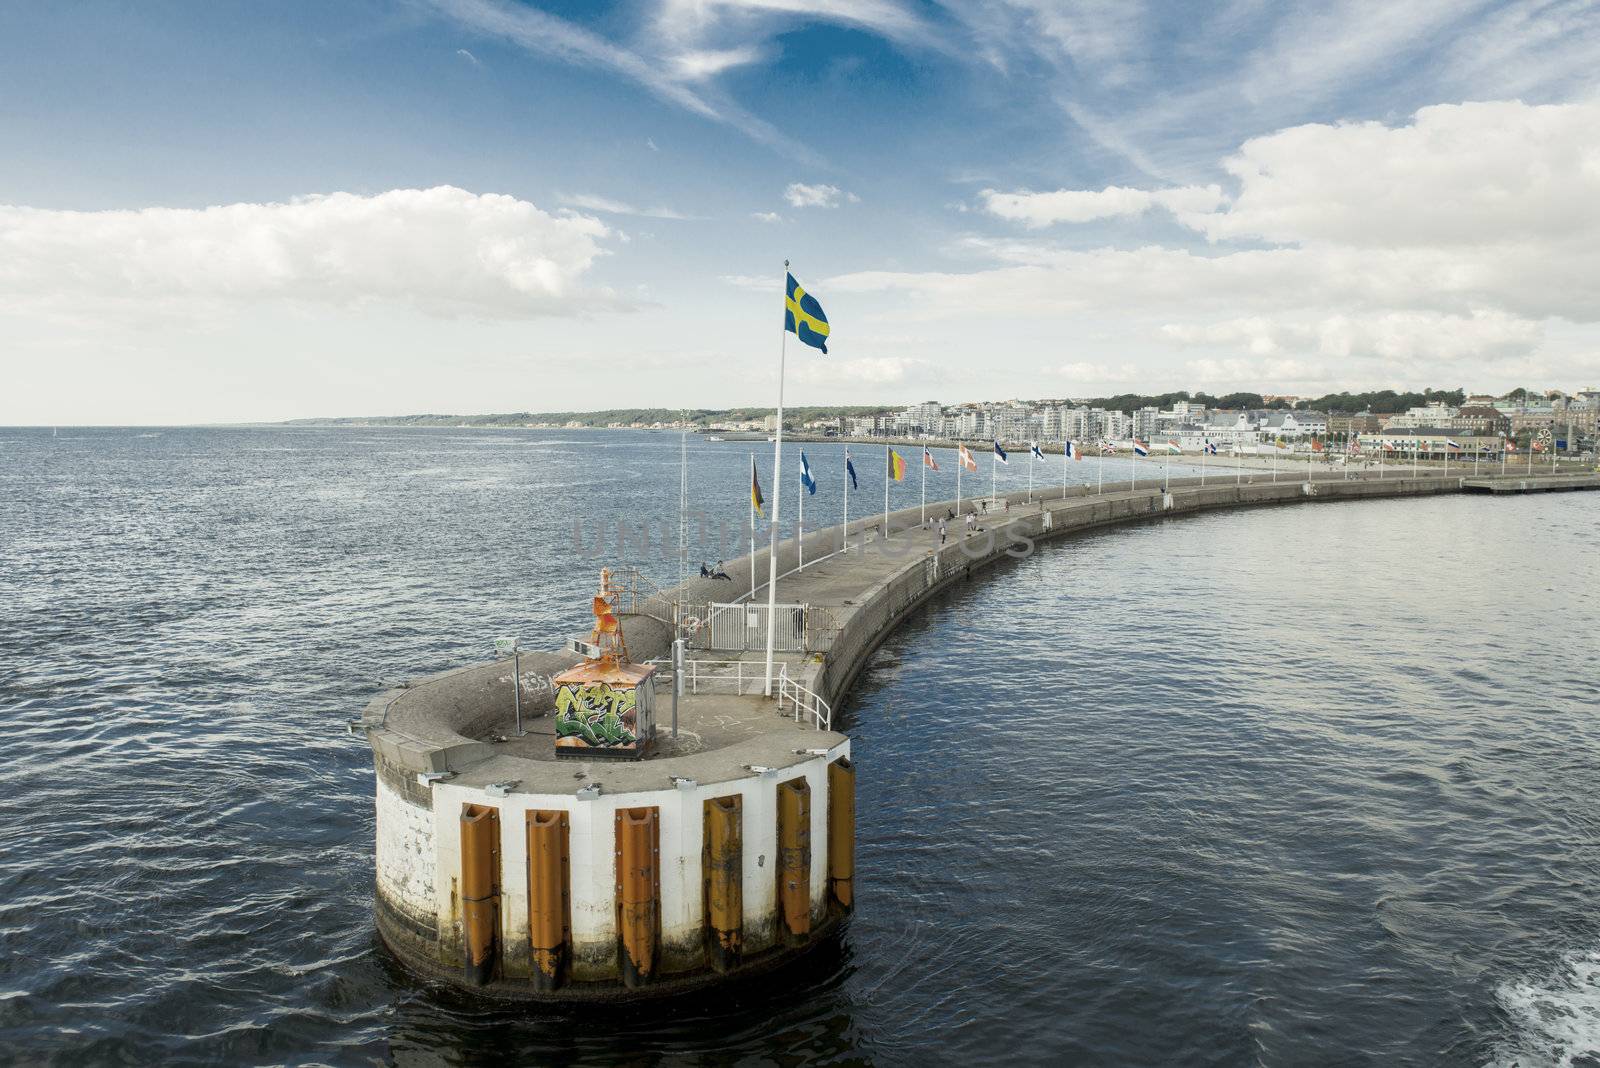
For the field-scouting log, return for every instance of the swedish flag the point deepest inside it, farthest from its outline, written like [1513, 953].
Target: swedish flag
[803, 317]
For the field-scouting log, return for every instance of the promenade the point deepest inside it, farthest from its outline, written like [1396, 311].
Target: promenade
[854, 594]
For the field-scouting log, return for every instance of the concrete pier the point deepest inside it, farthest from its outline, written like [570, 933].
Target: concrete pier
[868, 588]
[745, 822]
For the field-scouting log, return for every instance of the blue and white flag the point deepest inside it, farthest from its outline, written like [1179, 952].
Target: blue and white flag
[803, 317]
[1033, 450]
[850, 469]
[999, 453]
[1211, 447]
[807, 479]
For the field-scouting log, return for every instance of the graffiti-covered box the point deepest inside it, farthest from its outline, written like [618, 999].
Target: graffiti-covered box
[605, 709]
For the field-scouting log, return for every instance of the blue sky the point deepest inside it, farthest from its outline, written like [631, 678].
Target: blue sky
[230, 211]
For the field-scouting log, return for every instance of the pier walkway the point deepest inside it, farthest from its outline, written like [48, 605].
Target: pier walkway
[854, 596]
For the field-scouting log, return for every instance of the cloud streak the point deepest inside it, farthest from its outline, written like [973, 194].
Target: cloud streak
[800, 195]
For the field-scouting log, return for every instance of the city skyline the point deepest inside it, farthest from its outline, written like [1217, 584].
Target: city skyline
[229, 214]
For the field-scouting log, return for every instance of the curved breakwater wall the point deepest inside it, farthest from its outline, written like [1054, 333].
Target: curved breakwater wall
[438, 780]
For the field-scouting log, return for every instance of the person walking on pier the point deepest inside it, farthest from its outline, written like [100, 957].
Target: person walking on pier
[943, 532]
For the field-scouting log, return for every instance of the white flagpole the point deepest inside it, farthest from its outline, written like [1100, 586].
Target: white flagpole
[683, 507]
[959, 466]
[1416, 456]
[924, 483]
[752, 527]
[1030, 474]
[846, 494]
[1166, 472]
[887, 461]
[1504, 454]
[777, 492]
[1100, 472]
[1205, 450]
[1447, 459]
[1066, 459]
[994, 466]
[1133, 481]
[1477, 454]
[1275, 452]
[800, 534]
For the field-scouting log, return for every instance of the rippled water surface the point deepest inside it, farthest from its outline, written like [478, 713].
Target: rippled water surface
[1308, 785]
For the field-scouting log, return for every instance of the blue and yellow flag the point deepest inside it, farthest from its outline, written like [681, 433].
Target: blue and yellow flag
[803, 317]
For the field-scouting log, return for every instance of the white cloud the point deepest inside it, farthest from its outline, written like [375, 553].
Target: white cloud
[1458, 175]
[692, 20]
[442, 250]
[1036, 210]
[469, 57]
[591, 202]
[800, 195]
[1453, 241]
[697, 65]
[766, 216]
[747, 281]
[865, 371]
[1089, 373]
[1400, 337]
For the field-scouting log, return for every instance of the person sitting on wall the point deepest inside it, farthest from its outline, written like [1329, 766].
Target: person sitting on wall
[719, 573]
[705, 572]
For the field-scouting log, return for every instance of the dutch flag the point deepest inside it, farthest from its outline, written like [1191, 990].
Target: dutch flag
[1140, 448]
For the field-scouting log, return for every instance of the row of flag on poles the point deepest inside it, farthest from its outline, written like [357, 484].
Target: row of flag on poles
[964, 456]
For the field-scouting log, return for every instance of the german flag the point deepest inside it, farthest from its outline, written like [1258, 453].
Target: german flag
[756, 500]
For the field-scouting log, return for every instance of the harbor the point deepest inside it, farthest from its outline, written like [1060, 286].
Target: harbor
[543, 907]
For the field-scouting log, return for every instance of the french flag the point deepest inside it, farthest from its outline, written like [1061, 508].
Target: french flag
[1074, 451]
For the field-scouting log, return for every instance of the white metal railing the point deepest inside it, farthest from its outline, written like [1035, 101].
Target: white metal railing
[803, 699]
[748, 678]
[737, 677]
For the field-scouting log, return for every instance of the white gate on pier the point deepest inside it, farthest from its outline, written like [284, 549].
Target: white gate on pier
[737, 627]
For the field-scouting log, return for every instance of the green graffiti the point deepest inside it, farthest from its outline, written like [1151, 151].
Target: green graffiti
[597, 714]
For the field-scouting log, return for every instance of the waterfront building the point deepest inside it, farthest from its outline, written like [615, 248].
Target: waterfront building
[1347, 425]
[1435, 443]
[972, 423]
[1292, 424]
[924, 418]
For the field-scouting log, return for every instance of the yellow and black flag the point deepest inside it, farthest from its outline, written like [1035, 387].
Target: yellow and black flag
[756, 500]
